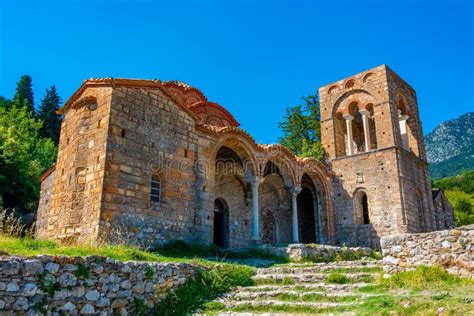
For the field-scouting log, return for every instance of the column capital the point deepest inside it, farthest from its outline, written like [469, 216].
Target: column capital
[364, 112]
[295, 190]
[254, 179]
[348, 117]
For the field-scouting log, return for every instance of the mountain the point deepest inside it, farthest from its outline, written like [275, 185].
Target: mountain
[450, 147]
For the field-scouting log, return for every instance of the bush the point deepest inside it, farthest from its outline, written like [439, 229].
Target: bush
[421, 278]
[337, 278]
[204, 287]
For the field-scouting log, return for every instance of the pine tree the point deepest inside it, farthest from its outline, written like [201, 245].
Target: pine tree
[4, 102]
[24, 94]
[302, 129]
[47, 114]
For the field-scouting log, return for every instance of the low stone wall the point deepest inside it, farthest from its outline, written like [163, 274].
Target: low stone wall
[92, 285]
[452, 249]
[316, 252]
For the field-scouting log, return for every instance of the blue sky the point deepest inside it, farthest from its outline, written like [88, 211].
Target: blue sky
[254, 58]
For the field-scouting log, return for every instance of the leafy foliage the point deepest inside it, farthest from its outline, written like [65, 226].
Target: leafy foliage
[302, 129]
[47, 114]
[24, 156]
[460, 192]
[206, 286]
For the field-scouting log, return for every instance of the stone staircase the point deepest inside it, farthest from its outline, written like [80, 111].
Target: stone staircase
[303, 289]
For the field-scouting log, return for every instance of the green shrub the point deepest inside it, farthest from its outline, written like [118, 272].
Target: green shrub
[82, 271]
[205, 286]
[421, 278]
[337, 278]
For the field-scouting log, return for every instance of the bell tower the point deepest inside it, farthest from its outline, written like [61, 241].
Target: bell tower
[371, 132]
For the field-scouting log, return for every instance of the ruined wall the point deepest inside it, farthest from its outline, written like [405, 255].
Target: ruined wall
[44, 205]
[451, 249]
[443, 210]
[149, 135]
[92, 285]
[77, 190]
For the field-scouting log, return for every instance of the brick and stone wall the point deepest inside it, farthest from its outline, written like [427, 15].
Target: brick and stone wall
[452, 249]
[92, 285]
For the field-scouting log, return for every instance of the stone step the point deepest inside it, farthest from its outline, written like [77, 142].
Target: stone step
[335, 264]
[308, 277]
[270, 303]
[308, 296]
[316, 269]
[322, 287]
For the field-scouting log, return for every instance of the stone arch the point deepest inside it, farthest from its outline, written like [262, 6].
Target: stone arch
[361, 206]
[323, 208]
[407, 124]
[275, 206]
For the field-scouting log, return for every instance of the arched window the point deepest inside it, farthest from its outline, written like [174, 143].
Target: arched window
[156, 187]
[362, 208]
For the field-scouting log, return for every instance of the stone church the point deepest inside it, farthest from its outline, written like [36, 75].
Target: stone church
[157, 161]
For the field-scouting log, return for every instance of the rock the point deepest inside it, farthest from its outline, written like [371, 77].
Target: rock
[446, 244]
[61, 294]
[2, 304]
[88, 309]
[126, 284]
[119, 302]
[113, 278]
[12, 287]
[33, 267]
[103, 301]
[68, 307]
[70, 267]
[3, 286]
[21, 303]
[67, 279]
[11, 268]
[92, 295]
[52, 267]
[29, 289]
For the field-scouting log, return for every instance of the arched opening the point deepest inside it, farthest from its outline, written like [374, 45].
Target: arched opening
[309, 228]
[275, 205]
[372, 128]
[230, 171]
[221, 223]
[358, 136]
[306, 216]
[362, 208]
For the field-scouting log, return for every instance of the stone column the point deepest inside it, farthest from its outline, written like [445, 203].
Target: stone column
[365, 121]
[294, 214]
[402, 120]
[350, 139]
[255, 182]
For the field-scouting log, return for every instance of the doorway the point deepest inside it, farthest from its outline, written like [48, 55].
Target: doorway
[221, 223]
[306, 216]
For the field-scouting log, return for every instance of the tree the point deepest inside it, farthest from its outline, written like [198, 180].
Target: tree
[24, 156]
[24, 94]
[5, 103]
[302, 129]
[47, 114]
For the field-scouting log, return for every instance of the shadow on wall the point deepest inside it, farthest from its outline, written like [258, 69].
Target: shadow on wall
[353, 217]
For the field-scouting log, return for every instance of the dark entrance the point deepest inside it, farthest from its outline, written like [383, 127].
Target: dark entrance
[306, 216]
[365, 209]
[221, 223]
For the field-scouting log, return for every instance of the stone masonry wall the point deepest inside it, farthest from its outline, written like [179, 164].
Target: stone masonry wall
[148, 136]
[452, 249]
[90, 286]
[44, 205]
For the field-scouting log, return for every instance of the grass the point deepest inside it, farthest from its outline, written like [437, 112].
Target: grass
[337, 278]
